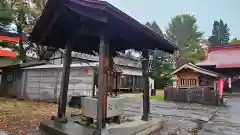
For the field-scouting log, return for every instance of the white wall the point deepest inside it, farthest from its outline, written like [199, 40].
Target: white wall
[44, 84]
[126, 70]
[56, 58]
[151, 83]
[136, 72]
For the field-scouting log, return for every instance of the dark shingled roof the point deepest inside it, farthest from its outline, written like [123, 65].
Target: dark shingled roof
[80, 21]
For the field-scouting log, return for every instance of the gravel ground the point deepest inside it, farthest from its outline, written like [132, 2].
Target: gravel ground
[23, 117]
[18, 117]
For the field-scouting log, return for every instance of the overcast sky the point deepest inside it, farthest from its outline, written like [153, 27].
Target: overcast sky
[206, 11]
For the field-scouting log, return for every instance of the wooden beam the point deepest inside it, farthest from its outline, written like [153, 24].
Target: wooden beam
[64, 82]
[85, 29]
[55, 16]
[146, 104]
[98, 16]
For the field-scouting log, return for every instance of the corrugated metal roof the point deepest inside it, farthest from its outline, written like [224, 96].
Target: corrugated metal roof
[93, 64]
[223, 58]
[117, 60]
[206, 63]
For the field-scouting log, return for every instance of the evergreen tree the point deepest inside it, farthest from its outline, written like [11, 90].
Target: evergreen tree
[220, 33]
[6, 18]
[6, 15]
[154, 27]
[162, 66]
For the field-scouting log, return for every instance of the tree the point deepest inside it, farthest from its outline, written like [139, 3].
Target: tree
[162, 66]
[220, 33]
[235, 38]
[184, 32]
[25, 14]
[154, 27]
[6, 16]
[162, 71]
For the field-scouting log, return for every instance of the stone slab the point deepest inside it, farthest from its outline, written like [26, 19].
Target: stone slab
[137, 127]
[70, 128]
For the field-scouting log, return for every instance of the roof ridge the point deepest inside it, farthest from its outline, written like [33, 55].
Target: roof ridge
[202, 68]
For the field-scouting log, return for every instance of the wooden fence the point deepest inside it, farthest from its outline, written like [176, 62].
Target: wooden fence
[203, 95]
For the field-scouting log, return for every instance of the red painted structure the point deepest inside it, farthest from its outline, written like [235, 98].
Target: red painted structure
[224, 59]
[9, 37]
[225, 56]
[8, 53]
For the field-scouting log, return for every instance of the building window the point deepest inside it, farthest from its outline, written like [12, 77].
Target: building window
[204, 81]
[188, 82]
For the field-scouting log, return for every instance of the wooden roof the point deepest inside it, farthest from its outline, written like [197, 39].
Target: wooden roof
[196, 69]
[81, 21]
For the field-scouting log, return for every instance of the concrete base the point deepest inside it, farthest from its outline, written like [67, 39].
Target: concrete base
[136, 127]
[53, 127]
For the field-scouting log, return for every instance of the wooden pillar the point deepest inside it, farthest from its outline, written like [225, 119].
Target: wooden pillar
[64, 82]
[197, 81]
[134, 85]
[110, 69]
[146, 109]
[116, 84]
[102, 84]
[94, 82]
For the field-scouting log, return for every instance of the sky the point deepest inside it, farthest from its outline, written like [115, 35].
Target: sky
[206, 11]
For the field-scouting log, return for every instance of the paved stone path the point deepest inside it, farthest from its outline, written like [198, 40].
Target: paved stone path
[226, 121]
[189, 119]
[179, 118]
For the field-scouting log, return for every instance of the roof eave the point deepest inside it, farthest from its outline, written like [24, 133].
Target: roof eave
[210, 73]
[102, 5]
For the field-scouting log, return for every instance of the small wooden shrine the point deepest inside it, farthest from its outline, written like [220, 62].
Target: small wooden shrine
[190, 75]
[193, 84]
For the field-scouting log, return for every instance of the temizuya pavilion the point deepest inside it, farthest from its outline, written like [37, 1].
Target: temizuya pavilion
[92, 25]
